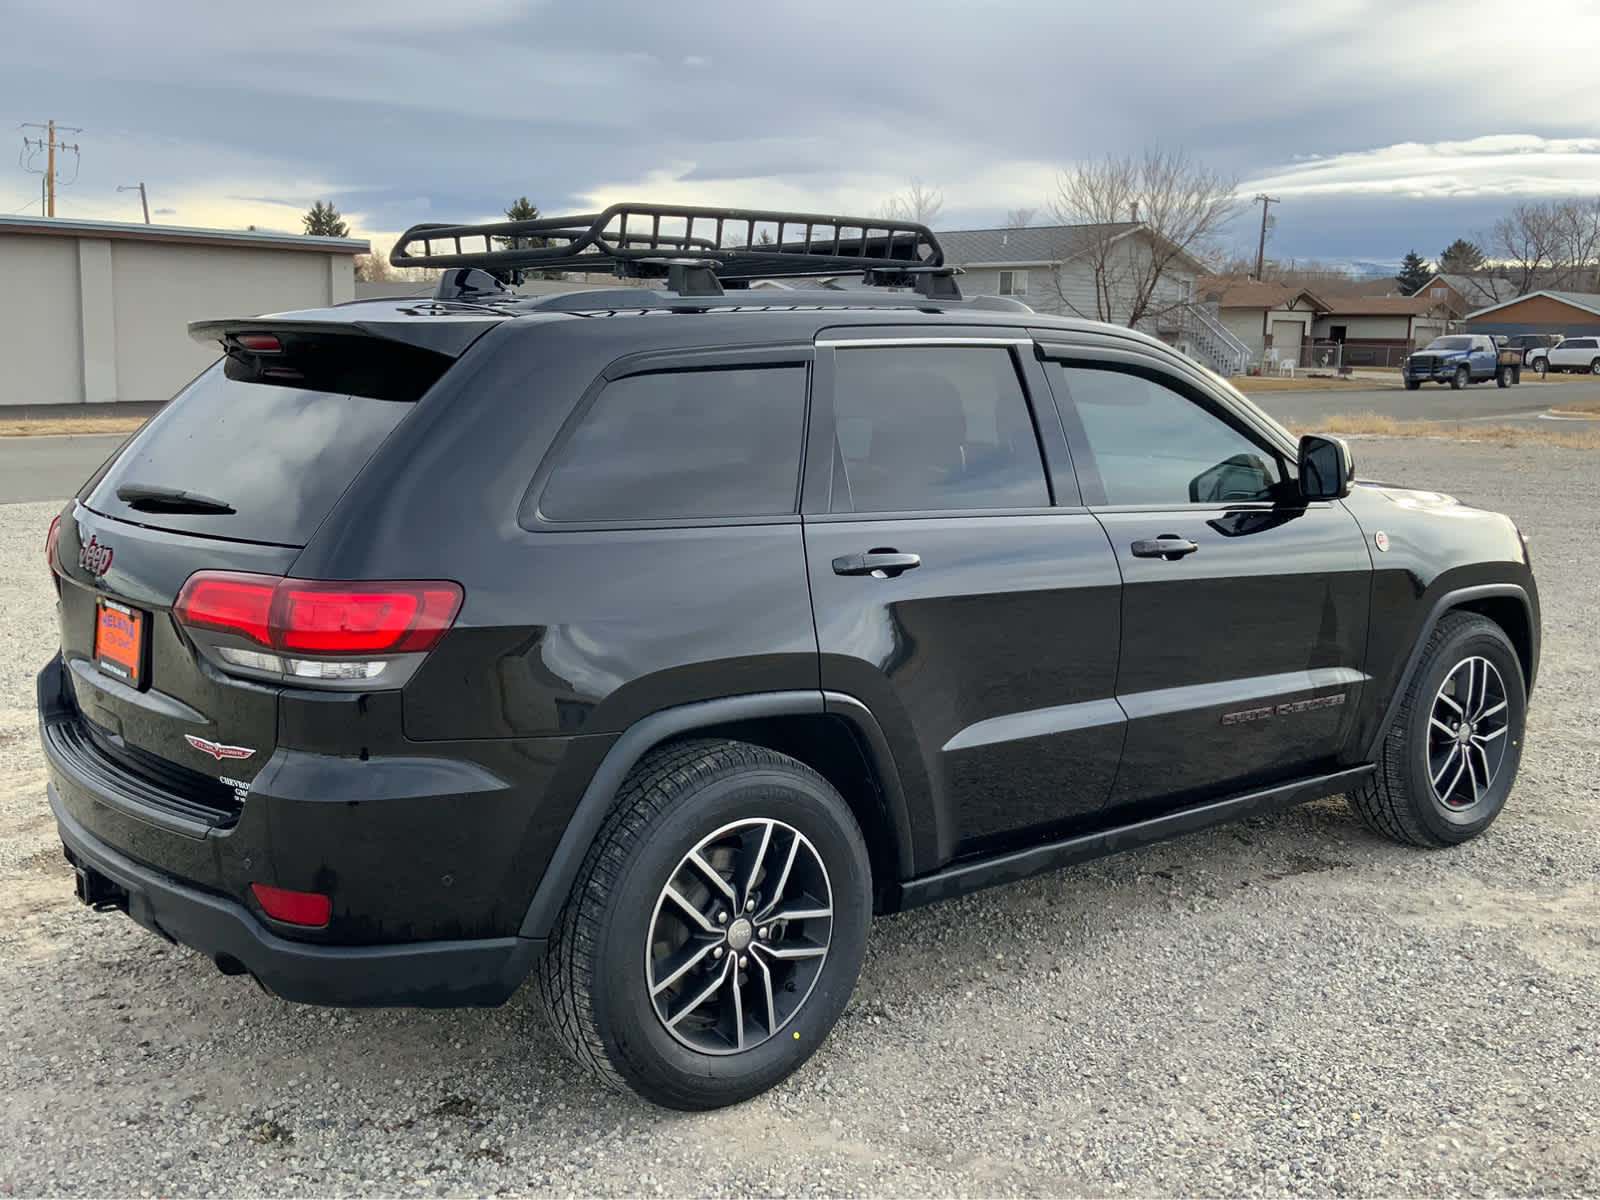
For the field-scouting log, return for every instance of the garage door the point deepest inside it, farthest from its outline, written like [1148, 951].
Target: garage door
[1286, 340]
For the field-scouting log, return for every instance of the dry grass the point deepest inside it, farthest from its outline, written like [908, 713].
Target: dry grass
[1372, 425]
[1577, 408]
[60, 425]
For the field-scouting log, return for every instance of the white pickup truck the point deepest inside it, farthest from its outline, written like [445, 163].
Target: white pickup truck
[1573, 354]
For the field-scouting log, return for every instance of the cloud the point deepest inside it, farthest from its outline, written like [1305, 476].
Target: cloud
[1502, 165]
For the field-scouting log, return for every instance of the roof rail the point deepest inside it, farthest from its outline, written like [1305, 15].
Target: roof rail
[682, 242]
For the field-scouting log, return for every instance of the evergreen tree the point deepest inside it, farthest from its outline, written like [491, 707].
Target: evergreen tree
[1460, 257]
[1414, 272]
[323, 220]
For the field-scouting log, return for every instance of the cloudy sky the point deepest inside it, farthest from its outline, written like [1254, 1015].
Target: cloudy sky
[1381, 125]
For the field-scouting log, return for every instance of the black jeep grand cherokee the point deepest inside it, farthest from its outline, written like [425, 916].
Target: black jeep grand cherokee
[651, 641]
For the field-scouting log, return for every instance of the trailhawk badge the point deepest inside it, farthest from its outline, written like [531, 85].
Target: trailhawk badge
[216, 749]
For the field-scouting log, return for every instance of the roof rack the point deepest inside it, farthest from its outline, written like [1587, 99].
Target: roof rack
[697, 251]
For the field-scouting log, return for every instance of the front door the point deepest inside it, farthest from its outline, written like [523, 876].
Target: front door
[1244, 614]
[969, 603]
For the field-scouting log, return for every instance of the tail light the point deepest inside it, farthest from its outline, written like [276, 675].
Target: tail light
[330, 634]
[50, 541]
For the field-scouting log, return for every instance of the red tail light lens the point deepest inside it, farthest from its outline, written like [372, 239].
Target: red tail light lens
[296, 908]
[50, 541]
[258, 343]
[315, 617]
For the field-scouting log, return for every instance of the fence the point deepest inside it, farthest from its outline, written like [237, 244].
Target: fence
[1375, 353]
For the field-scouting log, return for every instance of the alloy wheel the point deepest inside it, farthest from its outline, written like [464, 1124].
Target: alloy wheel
[1467, 733]
[739, 936]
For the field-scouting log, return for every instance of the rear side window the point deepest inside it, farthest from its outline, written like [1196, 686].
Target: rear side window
[678, 445]
[279, 457]
[925, 428]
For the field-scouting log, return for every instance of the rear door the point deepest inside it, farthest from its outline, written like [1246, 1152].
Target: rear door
[1575, 353]
[234, 474]
[1244, 610]
[961, 590]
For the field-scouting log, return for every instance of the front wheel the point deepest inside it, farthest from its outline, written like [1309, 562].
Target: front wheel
[1413, 384]
[1460, 379]
[1594, 367]
[716, 927]
[1451, 754]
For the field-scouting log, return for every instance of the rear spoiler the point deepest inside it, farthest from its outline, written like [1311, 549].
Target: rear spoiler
[422, 326]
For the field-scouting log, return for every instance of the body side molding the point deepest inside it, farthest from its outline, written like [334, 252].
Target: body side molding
[1008, 868]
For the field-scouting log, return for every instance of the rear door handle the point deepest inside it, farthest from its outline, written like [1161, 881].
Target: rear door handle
[1168, 546]
[884, 564]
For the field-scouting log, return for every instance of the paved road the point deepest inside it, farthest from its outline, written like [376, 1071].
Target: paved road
[1432, 402]
[50, 468]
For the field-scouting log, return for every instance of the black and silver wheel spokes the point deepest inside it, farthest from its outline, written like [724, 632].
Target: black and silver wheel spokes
[1468, 730]
[739, 936]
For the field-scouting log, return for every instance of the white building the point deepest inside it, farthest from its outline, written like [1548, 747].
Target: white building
[95, 312]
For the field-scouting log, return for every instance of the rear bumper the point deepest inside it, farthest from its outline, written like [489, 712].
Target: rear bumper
[438, 974]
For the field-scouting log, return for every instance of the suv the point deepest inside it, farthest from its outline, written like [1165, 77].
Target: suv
[651, 641]
[1575, 354]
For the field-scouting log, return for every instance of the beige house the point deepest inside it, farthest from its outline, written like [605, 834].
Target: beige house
[1378, 331]
[1275, 320]
[97, 311]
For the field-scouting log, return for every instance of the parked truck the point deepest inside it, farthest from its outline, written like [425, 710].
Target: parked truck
[1462, 358]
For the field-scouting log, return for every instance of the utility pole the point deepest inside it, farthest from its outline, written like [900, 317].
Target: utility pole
[143, 199]
[1261, 246]
[49, 145]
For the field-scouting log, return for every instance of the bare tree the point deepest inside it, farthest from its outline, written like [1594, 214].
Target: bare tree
[1182, 207]
[1526, 243]
[1020, 218]
[1577, 239]
[915, 203]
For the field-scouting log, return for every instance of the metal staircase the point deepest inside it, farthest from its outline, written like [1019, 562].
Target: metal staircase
[1211, 342]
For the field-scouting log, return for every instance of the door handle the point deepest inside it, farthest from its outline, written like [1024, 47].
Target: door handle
[1168, 546]
[882, 564]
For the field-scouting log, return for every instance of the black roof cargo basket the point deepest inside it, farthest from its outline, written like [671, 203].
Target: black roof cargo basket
[696, 249]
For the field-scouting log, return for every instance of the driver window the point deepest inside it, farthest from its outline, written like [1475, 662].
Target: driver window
[1150, 444]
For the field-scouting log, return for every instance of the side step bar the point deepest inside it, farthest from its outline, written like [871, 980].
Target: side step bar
[1008, 868]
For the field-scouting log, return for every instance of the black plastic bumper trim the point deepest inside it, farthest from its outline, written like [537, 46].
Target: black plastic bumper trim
[439, 974]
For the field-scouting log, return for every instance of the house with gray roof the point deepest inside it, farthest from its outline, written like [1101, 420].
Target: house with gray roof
[1092, 271]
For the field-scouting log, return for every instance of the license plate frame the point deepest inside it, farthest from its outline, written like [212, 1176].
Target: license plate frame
[121, 641]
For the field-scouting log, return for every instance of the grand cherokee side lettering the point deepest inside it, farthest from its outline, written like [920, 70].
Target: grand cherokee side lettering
[1286, 709]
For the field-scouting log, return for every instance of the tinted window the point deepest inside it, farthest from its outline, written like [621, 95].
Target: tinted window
[680, 444]
[1153, 445]
[279, 456]
[1450, 343]
[933, 427]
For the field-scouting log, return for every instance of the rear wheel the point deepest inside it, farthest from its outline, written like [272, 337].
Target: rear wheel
[1451, 754]
[716, 928]
[1460, 379]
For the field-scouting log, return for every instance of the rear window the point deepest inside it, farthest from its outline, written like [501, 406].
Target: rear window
[278, 456]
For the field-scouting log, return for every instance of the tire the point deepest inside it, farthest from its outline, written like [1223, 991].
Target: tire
[620, 930]
[1594, 367]
[1413, 384]
[1460, 379]
[1541, 365]
[1503, 377]
[1401, 800]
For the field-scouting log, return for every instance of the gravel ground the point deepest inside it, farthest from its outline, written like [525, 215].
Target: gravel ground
[1285, 1006]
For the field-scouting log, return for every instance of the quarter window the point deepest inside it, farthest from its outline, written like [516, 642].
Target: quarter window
[684, 444]
[926, 428]
[1150, 444]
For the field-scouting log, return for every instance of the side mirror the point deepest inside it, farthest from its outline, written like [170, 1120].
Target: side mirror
[1326, 467]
